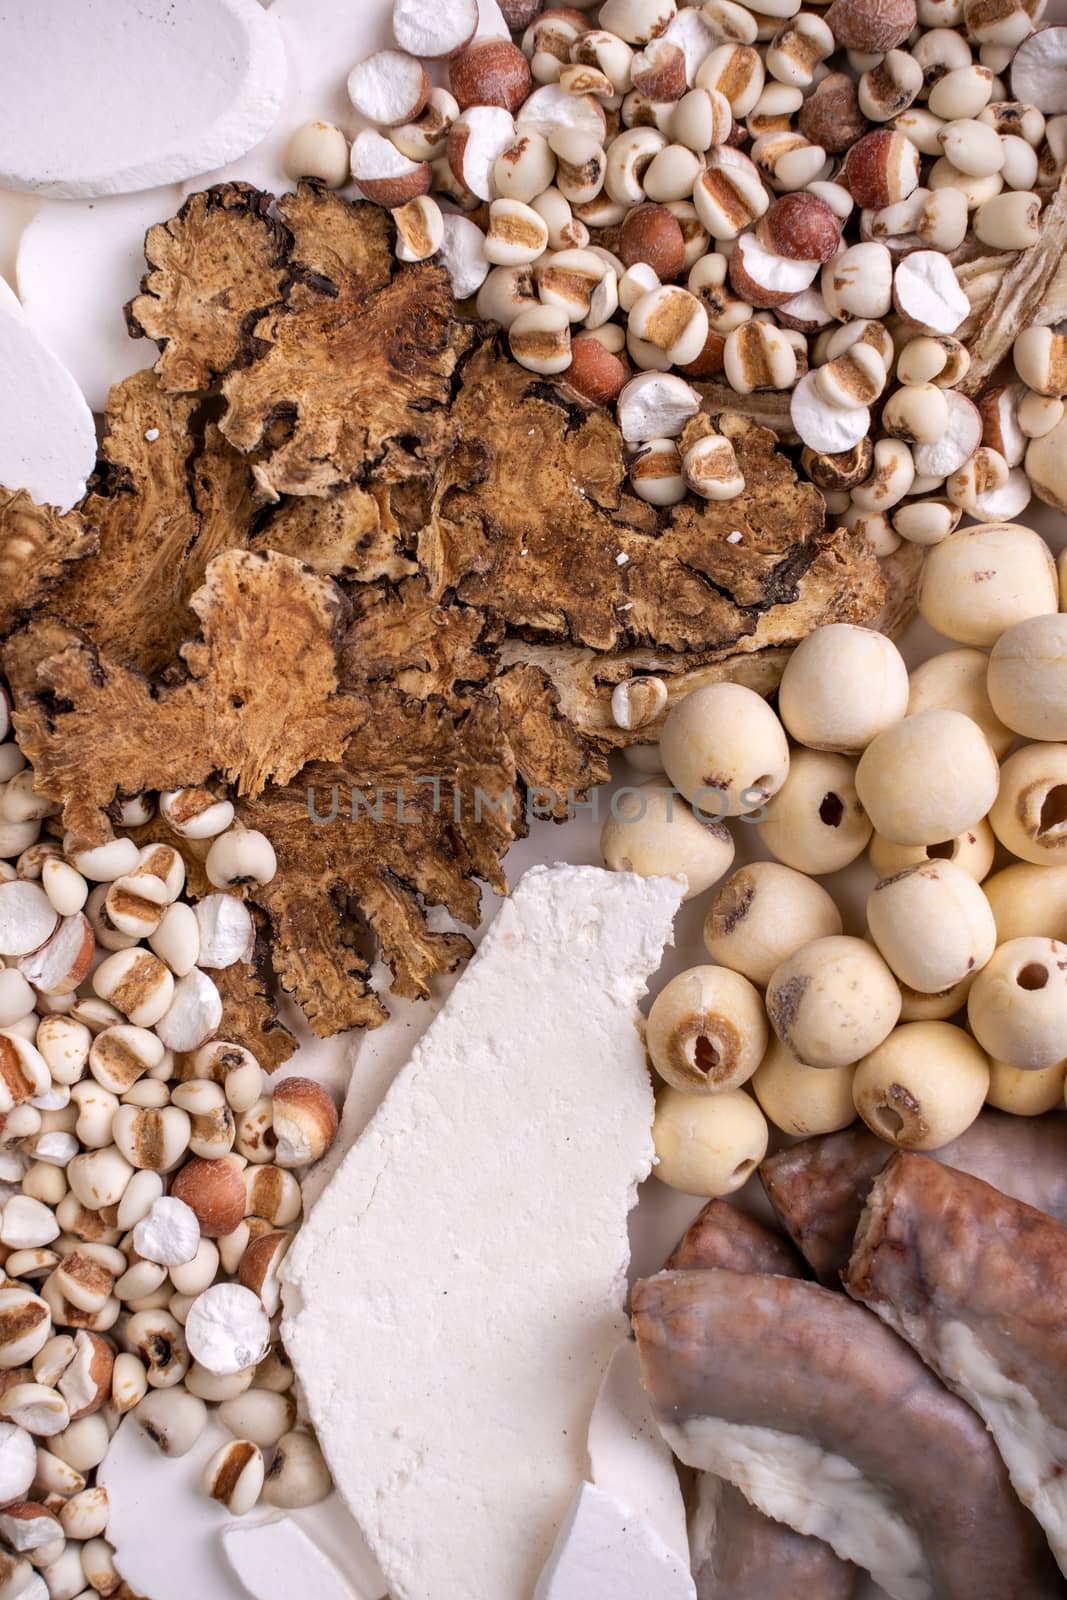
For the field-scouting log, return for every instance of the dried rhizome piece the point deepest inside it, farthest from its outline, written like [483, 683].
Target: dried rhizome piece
[168, 497]
[212, 270]
[348, 548]
[38, 544]
[350, 356]
[533, 522]
[94, 729]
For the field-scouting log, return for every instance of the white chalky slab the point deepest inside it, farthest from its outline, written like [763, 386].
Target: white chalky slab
[79, 261]
[166, 1531]
[105, 97]
[628, 1457]
[47, 434]
[468, 1260]
[605, 1550]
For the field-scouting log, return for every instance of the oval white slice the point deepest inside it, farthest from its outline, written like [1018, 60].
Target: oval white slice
[825, 428]
[958, 442]
[47, 434]
[1039, 70]
[79, 261]
[141, 92]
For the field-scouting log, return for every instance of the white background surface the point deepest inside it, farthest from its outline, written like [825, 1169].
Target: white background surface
[81, 261]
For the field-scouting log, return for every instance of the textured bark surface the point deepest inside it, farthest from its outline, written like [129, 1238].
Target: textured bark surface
[38, 546]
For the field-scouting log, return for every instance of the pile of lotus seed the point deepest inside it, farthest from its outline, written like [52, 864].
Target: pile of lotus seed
[149, 1179]
[953, 780]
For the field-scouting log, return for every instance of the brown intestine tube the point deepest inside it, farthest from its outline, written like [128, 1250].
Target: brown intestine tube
[818, 1188]
[977, 1284]
[739, 1553]
[830, 1422]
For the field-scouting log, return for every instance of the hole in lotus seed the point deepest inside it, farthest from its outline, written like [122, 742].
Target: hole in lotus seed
[945, 851]
[743, 1169]
[1054, 808]
[832, 810]
[1032, 976]
[891, 1122]
[764, 782]
[707, 1057]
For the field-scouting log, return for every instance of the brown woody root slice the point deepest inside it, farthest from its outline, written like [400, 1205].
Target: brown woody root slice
[352, 534]
[819, 1187]
[358, 364]
[261, 699]
[584, 680]
[1022, 297]
[166, 505]
[554, 761]
[38, 545]
[828, 1421]
[532, 522]
[212, 272]
[738, 1552]
[843, 584]
[416, 825]
[975, 1282]
[901, 572]
[401, 636]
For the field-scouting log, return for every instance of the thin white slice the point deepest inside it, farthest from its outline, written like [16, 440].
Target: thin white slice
[956, 445]
[277, 1561]
[550, 109]
[604, 1551]
[926, 291]
[138, 92]
[1008, 502]
[166, 1531]
[823, 427]
[79, 261]
[323, 39]
[47, 434]
[628, 1457]
[469, 1258]
[696, 36]
[1039, 70]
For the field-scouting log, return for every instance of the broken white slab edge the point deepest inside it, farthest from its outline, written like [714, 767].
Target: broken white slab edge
[9, 300]
[628, 1456]
[141, 93]
[606, 1552]
[47, 433]
[375, 1057]
[166, 1531]
[454, 1299]
[277, 1561]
